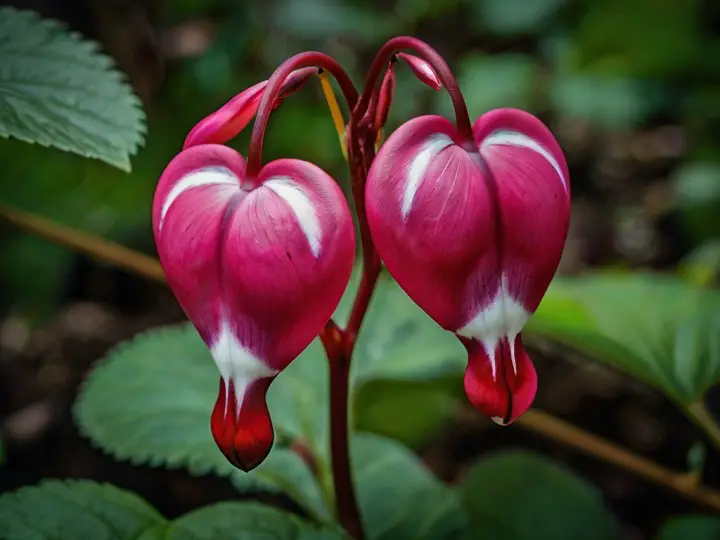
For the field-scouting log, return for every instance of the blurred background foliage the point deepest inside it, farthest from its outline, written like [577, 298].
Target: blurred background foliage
[630, 88]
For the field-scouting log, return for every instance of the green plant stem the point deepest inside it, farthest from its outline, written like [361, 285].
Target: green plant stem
[704, 420]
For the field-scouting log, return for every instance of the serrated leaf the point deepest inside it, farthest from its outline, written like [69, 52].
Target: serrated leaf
[57, 90]
[691, 527]
[656, 328]
[521, 496]
[399, 497]
[246, 520]
[84, 509]
[75, 509]
[284, 471]
[167, 384]
[149, 401]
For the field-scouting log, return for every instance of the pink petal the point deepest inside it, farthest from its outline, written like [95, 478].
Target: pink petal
[474, 238]
[422, 70]
[258, 267]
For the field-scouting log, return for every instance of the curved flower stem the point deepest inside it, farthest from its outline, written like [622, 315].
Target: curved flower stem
[306, 59]
[431, 56]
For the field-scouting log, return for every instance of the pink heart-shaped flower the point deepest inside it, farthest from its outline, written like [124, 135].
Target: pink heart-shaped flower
[473, 231]
[259, 266]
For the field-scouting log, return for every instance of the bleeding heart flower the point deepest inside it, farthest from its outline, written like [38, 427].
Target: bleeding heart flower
[259, 266]
[473, 231]
[225, 123]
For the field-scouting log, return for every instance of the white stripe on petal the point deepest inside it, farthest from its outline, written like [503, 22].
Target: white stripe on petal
[203, 177]
[301, 206]
[515, 138]
[418, 167]
[237, 364]
[504, 317]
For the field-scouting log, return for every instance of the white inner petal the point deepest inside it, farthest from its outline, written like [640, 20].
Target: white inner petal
[418, 167]
[237, 364]
[504, 317]
[303, 208]
[515, 138]
[202, 177]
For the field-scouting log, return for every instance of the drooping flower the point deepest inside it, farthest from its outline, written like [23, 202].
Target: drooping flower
[258, 265]
[473, 231]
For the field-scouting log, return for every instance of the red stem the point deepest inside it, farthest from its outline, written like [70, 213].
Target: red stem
[272, 90]
[338, 343]
[431, 56]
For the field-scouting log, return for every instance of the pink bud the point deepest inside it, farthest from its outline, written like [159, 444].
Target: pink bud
[422, 70]
[259, 266]
[385, 97]
[231, 118]
[474, 236]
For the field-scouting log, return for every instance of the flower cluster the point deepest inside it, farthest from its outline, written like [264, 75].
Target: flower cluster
[470, 219]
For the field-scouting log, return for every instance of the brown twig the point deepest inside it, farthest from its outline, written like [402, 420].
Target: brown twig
[94, 246]
[566, 433]
[537, 421]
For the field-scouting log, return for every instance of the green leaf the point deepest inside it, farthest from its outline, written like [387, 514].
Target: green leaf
[504, 18]
[85, 509]
[656, 328]
[149, 401]
[521, 496]
[398, 340]
[285, 471]
[57, 90]
[420, 409]
[490, 82]
[691, 527]
[75, 509]
[400, 359]
[399, 497]
[167, 383]
[246, 520]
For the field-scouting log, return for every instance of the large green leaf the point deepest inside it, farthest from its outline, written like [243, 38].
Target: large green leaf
[285, 471]
[691, 528]
[75, 509]
[521, 496]
[400, 341]
[166, 384]
[399, 498]
[85, 509]
[656, 328]
[402, 361]
[246, 521]
[57, 90]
